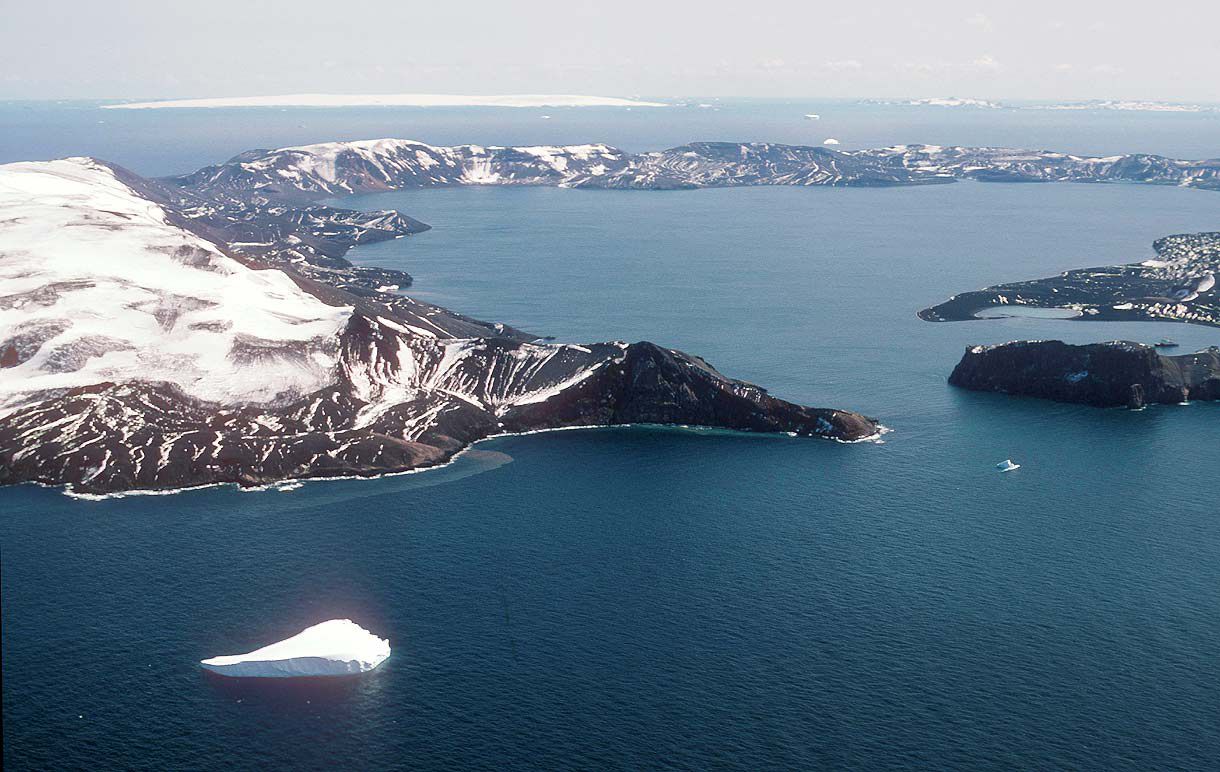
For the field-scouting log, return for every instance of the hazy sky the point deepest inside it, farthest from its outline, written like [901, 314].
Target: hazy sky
[1036, 49]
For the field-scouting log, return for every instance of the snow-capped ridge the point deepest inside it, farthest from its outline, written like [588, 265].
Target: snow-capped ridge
[337, 168]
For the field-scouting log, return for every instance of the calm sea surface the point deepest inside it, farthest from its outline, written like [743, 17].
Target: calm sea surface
[653, 598]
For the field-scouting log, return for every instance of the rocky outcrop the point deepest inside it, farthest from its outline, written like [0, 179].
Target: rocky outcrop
[308, 238]
[649, 384]
[1114, 374]
[1178, 285]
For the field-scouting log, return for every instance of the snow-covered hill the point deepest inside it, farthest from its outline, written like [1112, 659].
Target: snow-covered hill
[141, 350]
[334, 168]
[97, 284]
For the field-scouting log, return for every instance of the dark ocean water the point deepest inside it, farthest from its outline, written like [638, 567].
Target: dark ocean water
[652, 598]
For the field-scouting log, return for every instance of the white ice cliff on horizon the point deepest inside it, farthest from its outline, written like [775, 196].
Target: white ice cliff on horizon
[333, 648]
[394, 100]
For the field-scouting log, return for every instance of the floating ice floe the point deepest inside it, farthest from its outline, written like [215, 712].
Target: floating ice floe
[333, 648]
[1007, 465]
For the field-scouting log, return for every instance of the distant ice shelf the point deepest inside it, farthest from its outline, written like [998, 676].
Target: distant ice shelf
[393, 100]
[939, 102]
[333, 648]
[1131, 106]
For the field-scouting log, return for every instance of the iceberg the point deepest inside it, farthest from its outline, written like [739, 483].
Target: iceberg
[333, 648]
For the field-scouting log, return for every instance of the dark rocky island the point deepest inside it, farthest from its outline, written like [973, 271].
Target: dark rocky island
[1114, 374]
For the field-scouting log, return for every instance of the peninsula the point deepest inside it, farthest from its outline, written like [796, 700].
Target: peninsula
[143, 347]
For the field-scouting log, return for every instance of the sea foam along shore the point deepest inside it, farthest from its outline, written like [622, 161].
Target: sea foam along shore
[393, 100]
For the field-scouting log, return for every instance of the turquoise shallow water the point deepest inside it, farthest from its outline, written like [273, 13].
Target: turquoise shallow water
[653, 598]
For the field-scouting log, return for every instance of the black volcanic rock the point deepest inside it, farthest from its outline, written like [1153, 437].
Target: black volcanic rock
[145, 435]
[654, 385]
[140, 435]
[1119, 373]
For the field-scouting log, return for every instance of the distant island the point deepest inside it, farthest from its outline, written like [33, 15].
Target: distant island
[367, 166]
[390, 100]
[1143, 106]
[939, 102]
[1132, 106]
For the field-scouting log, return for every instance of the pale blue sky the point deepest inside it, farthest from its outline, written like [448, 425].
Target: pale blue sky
[1011, 50]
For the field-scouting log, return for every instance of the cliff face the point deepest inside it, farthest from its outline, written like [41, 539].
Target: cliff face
[1114, 374]
[650, 384]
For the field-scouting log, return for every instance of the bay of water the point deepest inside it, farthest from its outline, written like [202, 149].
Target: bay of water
[655, 598]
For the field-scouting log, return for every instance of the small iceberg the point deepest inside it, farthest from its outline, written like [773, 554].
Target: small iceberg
[334, 648]
[831, 141]
[1007, 465]
[812, 117]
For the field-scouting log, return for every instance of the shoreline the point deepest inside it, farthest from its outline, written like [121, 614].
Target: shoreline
[298, 482]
